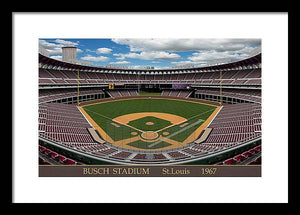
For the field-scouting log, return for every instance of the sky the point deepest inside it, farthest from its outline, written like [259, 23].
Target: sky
[159, 53]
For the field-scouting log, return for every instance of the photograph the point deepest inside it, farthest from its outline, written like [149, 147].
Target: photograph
[149, 107]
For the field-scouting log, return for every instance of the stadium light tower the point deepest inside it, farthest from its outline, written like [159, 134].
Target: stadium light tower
[221, 88]
[139, 78]
[78, 87]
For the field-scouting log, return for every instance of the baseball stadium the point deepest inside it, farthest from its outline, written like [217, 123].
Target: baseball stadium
[91, 115]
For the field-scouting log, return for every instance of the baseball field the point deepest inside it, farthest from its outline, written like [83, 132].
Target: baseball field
[149, 123]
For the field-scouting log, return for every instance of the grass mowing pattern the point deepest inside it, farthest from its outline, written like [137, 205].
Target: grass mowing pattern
[141, 123]
[102, 114]
[186, 131]
[149, 93]
[144, 145]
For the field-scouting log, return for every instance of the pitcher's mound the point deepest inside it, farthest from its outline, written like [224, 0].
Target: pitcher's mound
[149, 123]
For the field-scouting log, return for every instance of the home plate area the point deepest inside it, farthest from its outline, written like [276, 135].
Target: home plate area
[150, 129]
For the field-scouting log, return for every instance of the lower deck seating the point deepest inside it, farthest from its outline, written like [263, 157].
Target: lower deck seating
[52, 157]
[65, 125]
[242, 94]
[121, 93]
[48, 95]
[176, 93]
[245, 158]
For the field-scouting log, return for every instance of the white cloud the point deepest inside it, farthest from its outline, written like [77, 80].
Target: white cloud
[103, 51]
[93, 58]
[79, 50]
[184, 62]
[210, 56]
[153, 55]
[89, 50]
[175, 45]
[46, 44]
[206, 57]
[188, 63]
[54, 51]
[65, 42]
[206, 51]
[56, 57]
[120, 62]
[54, 48]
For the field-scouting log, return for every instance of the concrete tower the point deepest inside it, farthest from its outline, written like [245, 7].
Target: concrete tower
[69, 54]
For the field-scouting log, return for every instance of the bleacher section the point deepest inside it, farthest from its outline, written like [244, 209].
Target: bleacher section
[65, 125]
[49, 157]
[235, 123]
[68, 95]
[67, 77]
[177, 93]
[121, 93]
[249, 157]
[241, 94]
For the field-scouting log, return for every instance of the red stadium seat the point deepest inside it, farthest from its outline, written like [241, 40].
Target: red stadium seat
[252, 163]
[60, 158]
[41, 160]
[239, 158]
[47, 163]
[252, 151]
[247, 154]
[53, 155]
[230, 161]
[47, 152]
[42, 148]
[69, 161]
[258, 160]
[258, 148]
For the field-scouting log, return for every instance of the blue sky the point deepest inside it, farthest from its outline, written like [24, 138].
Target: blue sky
[154, 52]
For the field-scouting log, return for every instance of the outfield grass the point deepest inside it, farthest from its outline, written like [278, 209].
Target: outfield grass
[113, 109]
[103, 113]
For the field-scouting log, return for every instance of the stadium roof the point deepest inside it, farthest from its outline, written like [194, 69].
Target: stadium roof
[249, 61]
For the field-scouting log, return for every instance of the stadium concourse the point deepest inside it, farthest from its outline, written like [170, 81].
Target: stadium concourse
[65, 139]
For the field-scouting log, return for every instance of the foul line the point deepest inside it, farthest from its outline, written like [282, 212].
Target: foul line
[201, 113]
[177, 132]
[186, 120]
[98, 114]
[114, 121]
[183, 129]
